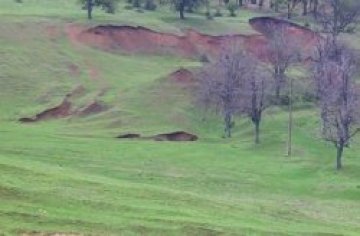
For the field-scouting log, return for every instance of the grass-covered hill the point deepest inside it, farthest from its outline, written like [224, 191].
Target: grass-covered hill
[70, 176]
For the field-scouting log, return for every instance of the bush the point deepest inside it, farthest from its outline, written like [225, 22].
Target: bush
[208, 15]
[128, 7]
[150, 5]
[136, 3]
[350, 29]
[204, 58]
[109, 6]
[232, 8]
[218, 13]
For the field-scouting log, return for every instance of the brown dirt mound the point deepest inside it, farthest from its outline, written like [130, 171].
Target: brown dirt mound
[92, 108]
[182, 75]
[176, 136]
[129, 136]
[61, 111]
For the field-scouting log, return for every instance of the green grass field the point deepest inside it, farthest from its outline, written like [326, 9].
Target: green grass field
[72, 176]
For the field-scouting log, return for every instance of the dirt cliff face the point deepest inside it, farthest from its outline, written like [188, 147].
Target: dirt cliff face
[130, 39]
[141, 40]
[60, 111]
[268, 25]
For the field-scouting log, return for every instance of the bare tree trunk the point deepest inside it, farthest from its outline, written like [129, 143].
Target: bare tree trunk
[257, 132]
[315, 8]
[276, 6]
[305, 7]
[228, 124]
[290, 125]
[261, 4]
[277, 93]
[89, 6]
[278, 84]
[340, 150]
[288, 9]
[181, 9]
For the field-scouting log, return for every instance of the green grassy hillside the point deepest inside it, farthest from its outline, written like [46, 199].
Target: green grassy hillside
[72, 176]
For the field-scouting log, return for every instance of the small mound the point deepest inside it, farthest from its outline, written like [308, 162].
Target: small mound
[129, 136]
[175, 136]
[61, 111]
[92, 108]
[182, 75]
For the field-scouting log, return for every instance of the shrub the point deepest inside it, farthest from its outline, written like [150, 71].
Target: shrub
[232, 8]
[218, 13]
[150, 5]
[136, 3]
[204, 58]
[208, 15]
[128, 7]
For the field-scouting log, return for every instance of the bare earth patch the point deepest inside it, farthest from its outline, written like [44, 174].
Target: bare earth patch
[178, 136]
[139, 39]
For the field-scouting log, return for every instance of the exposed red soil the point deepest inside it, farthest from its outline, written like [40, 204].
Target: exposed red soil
[50, 234]
[267, 25]
[191, 44]
[66, 109]
[142, 40]
[183, 76]
[294, 32]
[73, 31]
[129, 136]
[176, 136]
[92, 108]
[61, 111]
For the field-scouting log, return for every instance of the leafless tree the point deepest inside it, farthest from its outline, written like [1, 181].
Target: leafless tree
[291, 5]
[338, 94]
[237, 84]
[314, 5]
[220, 86]
[255, 94]
[283, 51]
[337, 16]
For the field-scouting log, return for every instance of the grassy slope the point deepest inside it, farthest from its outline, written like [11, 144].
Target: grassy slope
[72, 176]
